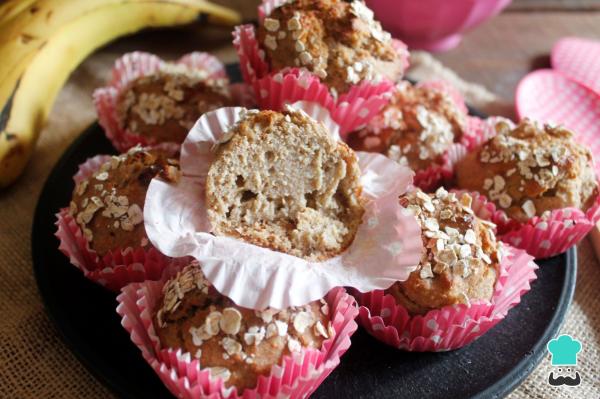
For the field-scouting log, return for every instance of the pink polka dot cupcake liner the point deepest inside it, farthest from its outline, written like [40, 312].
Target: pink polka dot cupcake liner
[135, 65]
[550, 235]
[273, 90]
[296, 376]
[479, 130]
[450, 327]
[118, 267]
[435, 175]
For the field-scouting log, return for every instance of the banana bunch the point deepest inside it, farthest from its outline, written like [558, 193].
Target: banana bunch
[43, 41]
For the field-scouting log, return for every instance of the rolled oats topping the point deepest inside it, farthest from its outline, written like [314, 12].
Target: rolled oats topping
[187, 280]
[163, 106]
[320, 329]
[339, 41]
[163, 95]
[460, 254]
[194, 317]
[531, 169]
[231, 321]
[272, 25]
[415, 129]
[220, 372]
[454, 241]
[302, 321]
[108, 205]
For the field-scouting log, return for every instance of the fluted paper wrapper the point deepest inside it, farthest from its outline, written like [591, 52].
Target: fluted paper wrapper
[296, 376]
[118, 267]
[135, 65]
[273, 90]
[385, 249]
[544, 237]
[450, 327]
[480, 130]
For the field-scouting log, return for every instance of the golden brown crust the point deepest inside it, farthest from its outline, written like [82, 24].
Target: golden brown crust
[414, 129]
[238, 344]
[460, 255]
[108, 205]
[531, 170]
[165, 105]
[282, 182]
[339, 41]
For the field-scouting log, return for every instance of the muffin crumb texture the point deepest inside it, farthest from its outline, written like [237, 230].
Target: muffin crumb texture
[415, 129]
[338, 41]
[531, 170]
[108, 205]
[235, 343]
[164, 106]
[282, 182]
[460, 254]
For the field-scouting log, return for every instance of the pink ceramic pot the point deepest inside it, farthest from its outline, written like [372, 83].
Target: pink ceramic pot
[434, 25]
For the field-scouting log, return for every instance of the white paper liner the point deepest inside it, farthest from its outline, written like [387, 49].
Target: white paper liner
[386, 248]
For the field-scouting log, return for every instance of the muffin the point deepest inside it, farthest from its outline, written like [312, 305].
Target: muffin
[338, 41]
[108, 205]
[283, 182]
[163, 106]
[530, 170]
[460, 255]
[415, 129]
[235, 343]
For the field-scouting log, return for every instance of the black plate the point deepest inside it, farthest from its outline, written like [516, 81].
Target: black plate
[491, 367]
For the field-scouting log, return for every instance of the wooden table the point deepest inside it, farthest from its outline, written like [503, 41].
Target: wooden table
[500, 52]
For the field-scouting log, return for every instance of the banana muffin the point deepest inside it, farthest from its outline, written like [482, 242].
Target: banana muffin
[460, 254]
[284, 183]
[530, 170]
[164, 106]
[339, 41]
[415, 129]
[235, 343]
[108, 205]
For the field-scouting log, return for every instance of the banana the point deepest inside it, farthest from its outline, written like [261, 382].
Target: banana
[29, 104]
[24, 36]
[9, 9]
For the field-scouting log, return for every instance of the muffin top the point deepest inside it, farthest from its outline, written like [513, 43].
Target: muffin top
[415, 129]
[339, 41]
[164, 106]
[460, 254]
[237, 344]
[108, 205]
[283, 182]
[530, 170]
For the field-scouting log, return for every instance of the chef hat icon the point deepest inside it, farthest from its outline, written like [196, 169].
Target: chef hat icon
[564, 350]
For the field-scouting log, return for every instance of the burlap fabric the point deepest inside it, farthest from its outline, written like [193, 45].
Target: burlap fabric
[34, 362]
